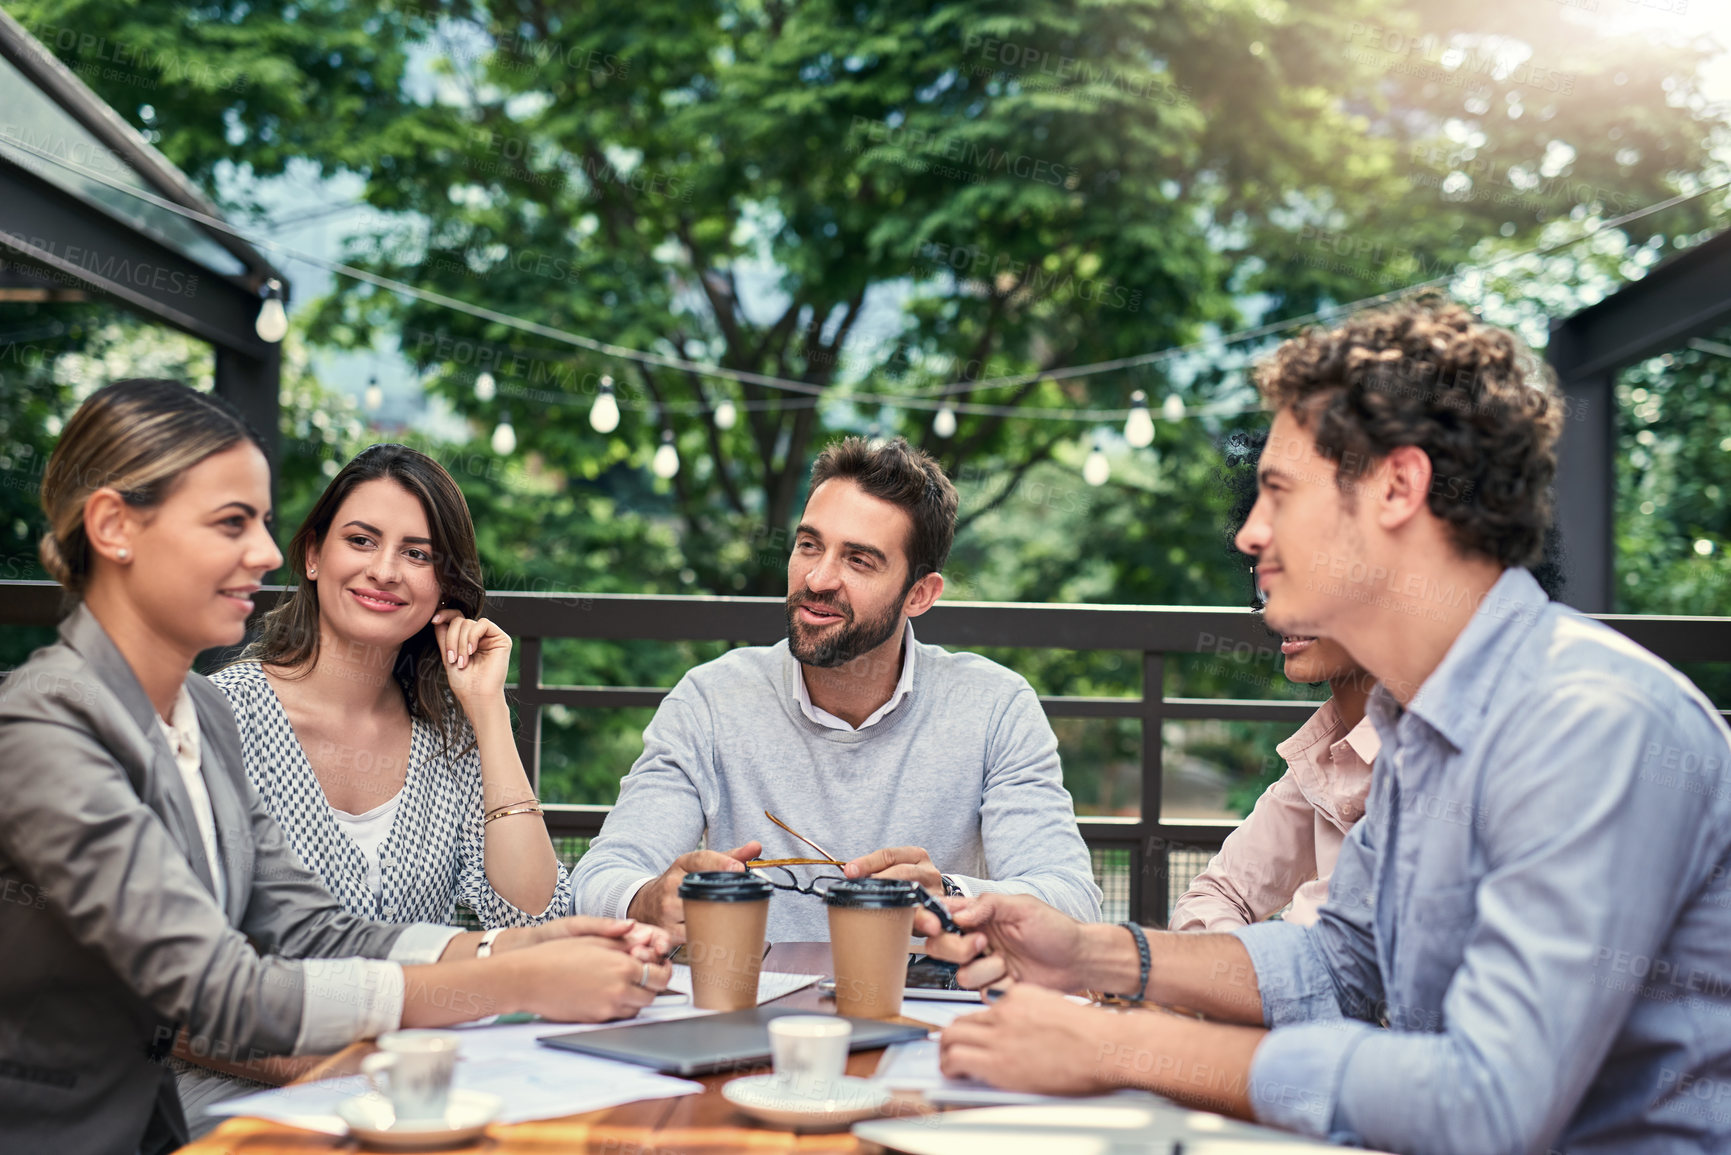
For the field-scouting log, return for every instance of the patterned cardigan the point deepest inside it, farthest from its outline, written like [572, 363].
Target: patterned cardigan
[433, 856]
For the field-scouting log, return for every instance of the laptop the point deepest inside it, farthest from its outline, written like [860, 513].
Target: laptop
[710, 1043]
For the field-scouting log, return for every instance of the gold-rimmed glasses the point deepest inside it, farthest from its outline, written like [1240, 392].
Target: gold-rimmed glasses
[828, 859]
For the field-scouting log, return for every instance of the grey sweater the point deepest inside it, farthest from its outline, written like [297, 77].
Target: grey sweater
[966, 767]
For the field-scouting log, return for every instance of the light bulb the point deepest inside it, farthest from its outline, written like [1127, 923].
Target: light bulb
[944, 424]
[726, 416]
[374, 396]
[666, 461]
[604, 414]
[1097, 470]
[485, 387]
[1172, 409]
[272, 324]
[1139, 426]
[504, 438]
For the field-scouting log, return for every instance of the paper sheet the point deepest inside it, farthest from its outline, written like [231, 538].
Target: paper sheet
[940, 1013]
[914, 1067]
[535, 1082]
[770, 984]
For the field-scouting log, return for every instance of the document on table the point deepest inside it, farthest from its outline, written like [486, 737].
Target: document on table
[940, 1013]
[770, 984]
[535, 1082]
[914, 1067]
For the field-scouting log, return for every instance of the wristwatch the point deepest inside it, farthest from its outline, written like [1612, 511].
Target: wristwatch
[484, 948]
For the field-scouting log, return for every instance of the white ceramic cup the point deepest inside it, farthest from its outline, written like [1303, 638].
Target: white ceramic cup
[418, 1067]
[810, 1052]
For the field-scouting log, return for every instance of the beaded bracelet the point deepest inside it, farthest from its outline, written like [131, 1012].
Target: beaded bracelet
[1146, 962]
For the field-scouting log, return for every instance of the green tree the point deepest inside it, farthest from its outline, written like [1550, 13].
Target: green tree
[881, 200]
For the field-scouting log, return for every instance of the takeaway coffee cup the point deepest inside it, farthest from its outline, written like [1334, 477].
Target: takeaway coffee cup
[418, 1067]
[870, 922]
[726, 912]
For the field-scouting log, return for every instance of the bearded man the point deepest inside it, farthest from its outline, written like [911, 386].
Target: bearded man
[905, 759]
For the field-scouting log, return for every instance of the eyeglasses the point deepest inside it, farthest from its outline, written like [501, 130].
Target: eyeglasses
[828, 859]
[820, 885]
[817, 887]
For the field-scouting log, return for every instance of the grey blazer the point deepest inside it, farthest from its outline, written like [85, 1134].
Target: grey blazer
[113, 936]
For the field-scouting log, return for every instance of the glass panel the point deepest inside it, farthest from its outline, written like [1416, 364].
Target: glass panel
[586, 662]
[1183, 864]
[1253, 672]
[1112, 875]
[584, 753]
[34, 120]
[1073, 673]
[1102, 760]
[1714, 679]
[1215, 771]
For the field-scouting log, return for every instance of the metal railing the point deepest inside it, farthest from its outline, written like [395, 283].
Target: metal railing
[1152, 856]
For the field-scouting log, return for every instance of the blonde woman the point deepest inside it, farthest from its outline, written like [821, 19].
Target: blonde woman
[167, 902]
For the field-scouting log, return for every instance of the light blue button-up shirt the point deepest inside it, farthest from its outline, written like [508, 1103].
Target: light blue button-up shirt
[1536, 905]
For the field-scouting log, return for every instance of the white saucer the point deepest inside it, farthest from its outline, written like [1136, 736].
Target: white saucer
[771, 1099]
[374, 1123]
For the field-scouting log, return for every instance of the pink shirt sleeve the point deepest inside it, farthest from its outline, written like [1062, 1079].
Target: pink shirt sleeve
[1259, 866]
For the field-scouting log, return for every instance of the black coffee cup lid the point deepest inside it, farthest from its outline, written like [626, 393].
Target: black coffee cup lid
[873, 893]
[724, 886]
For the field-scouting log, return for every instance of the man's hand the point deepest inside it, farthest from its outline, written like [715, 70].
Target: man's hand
[657, 901]
[1035, 1040]
[1029, 942]
[589, 979]
[911, 863]
[632, 932]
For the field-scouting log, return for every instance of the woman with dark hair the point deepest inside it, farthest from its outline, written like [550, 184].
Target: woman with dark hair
[372, 709]
[164, 902]
[373, 720]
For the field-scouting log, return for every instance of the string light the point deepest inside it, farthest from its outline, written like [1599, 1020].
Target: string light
[374, 396]
[967, 386]
[1172, 408]
[1097, 470]
[504, 437]
[665, 464]
[944, 424]
[272, 323]
[604, 414]
[1139, 426]
[726, 415]
[485, 387]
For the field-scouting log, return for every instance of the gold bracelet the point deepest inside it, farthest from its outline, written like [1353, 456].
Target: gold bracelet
[531, 806]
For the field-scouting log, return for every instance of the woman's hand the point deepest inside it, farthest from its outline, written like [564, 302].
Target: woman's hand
[588, 978]
[476, 654]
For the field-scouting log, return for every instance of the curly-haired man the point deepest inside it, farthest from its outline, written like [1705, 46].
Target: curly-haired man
[1524, 944]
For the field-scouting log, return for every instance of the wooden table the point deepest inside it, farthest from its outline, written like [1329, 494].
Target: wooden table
[701, 1124]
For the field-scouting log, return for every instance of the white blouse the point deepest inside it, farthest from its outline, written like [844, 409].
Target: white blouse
[368, 832]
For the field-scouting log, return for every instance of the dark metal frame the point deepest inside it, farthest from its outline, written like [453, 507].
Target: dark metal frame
[1156, 631]
[1685, 297]
[40, 222]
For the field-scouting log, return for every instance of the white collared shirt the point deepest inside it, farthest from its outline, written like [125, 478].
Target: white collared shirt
[181, 730]
[904, 686]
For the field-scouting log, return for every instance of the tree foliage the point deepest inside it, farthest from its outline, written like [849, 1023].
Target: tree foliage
[884, 200]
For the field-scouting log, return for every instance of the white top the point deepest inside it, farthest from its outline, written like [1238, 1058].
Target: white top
[824, 718]
[182, 734]
[368, 832]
